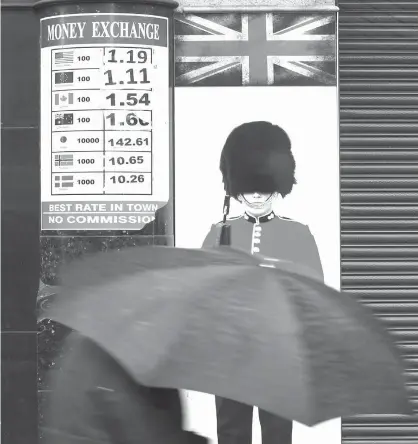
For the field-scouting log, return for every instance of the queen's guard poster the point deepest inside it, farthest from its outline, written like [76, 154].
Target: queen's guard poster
[256, 117]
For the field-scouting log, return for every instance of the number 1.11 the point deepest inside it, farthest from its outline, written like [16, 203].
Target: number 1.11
[143, 73]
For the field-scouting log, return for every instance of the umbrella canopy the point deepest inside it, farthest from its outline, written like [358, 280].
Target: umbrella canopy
[216, 321]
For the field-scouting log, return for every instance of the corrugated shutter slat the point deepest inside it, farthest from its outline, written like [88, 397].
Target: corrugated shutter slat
[379, 185]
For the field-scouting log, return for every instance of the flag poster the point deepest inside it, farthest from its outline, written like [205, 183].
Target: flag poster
[260, 85]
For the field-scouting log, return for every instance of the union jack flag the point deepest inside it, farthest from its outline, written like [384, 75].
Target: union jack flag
[283, 49]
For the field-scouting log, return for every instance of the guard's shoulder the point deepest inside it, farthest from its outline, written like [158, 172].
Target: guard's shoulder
[293, 221]
[235, 218]
[229, 219]
[285, 218]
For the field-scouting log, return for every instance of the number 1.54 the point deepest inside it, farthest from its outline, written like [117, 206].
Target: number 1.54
[131, 99]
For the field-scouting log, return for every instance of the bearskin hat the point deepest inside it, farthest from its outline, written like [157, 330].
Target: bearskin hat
[257, 157]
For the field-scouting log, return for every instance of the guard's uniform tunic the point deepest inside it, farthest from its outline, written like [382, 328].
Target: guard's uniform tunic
[280, 238]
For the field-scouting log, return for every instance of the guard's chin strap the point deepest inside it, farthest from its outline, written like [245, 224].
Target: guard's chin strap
[224, 234]
[271, 197]
[227, 203]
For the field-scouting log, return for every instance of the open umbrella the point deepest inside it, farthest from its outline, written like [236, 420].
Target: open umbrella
[216, 321]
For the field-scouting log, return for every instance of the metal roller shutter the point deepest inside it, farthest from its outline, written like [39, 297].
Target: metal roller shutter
[379, 184]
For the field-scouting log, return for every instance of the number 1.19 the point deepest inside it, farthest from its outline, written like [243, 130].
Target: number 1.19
[141, 55]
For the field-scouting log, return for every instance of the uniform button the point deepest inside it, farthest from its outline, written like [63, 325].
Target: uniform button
[256, 250]
[257, 228]
[257, 234]
[257, 241]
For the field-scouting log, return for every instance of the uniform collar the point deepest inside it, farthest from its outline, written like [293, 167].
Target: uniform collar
[259, 220]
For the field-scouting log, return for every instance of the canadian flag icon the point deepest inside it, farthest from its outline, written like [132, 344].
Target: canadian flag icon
[64, 99]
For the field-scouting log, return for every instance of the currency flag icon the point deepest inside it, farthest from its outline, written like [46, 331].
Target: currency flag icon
[64, 57]
[63, 99]
[62, 160]
[64, 181]
[64, 77]
[63, 139]
[64, 119]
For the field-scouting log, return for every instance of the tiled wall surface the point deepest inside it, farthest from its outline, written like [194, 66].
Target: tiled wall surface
[20, 234]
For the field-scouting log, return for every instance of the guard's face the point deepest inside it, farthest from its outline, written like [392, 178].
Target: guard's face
[257, 200]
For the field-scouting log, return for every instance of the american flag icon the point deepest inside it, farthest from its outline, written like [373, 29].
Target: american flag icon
[63, 160]
[284, 49]
[64, 181]
[64, 58]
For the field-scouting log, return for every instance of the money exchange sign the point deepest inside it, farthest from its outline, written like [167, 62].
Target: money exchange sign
[105, 135]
